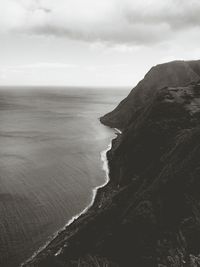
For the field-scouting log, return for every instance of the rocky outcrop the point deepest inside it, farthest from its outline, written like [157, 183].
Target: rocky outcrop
[176, 73]
[159, 157]
[149, 213]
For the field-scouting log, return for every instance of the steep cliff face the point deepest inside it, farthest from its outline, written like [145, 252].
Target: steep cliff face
[176, 73]
[158, 156]
[149, 213]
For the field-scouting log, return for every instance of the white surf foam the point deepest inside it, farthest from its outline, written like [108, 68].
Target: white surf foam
[94, 192]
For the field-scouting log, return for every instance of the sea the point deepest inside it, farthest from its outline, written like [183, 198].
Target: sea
[50, 161]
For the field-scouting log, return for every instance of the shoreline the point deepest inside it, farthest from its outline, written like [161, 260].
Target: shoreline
[105, 167]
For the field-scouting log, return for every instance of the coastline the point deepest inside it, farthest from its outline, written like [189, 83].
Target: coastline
[133, 222]
[97, 195]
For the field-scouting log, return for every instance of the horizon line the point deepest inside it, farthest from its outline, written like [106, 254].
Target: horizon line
[72, 86]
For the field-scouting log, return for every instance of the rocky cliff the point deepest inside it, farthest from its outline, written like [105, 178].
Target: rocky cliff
[149, 213]
[158, 156]
[176, 73]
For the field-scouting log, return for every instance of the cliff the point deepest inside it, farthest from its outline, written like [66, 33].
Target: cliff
[149, 213]
[176, 73]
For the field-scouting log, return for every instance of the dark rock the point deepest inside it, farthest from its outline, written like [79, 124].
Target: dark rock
[149, 213]
[176, 73]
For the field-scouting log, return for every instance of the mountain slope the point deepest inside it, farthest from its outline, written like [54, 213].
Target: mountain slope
[176, 73]
[158, 155]
[149, 213]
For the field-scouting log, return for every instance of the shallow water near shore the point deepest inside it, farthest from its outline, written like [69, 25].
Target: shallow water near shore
[50, 145]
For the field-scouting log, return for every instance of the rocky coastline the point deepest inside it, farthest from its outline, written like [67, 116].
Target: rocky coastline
[148, 215]
[70, 237]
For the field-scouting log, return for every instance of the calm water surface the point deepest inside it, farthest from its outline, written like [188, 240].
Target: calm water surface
[50, 144]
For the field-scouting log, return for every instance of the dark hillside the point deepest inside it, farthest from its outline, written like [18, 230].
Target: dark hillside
[149, 213]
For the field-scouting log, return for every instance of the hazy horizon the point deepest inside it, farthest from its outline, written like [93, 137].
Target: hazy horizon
[114, 87]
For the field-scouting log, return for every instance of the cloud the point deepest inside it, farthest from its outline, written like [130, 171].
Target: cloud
[127, 22]
[178, 14]
[42, 65]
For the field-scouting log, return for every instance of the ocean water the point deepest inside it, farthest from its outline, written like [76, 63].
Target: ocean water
[50, 144]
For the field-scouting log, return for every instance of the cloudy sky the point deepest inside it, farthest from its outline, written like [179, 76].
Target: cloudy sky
[93, 42]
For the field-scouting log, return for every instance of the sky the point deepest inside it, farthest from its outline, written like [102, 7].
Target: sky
[92, 42]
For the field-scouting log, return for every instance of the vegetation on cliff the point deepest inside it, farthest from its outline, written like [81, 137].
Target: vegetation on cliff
[172, 74]
[149, 213]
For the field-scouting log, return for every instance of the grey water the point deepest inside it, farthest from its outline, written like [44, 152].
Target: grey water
[50, 144]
